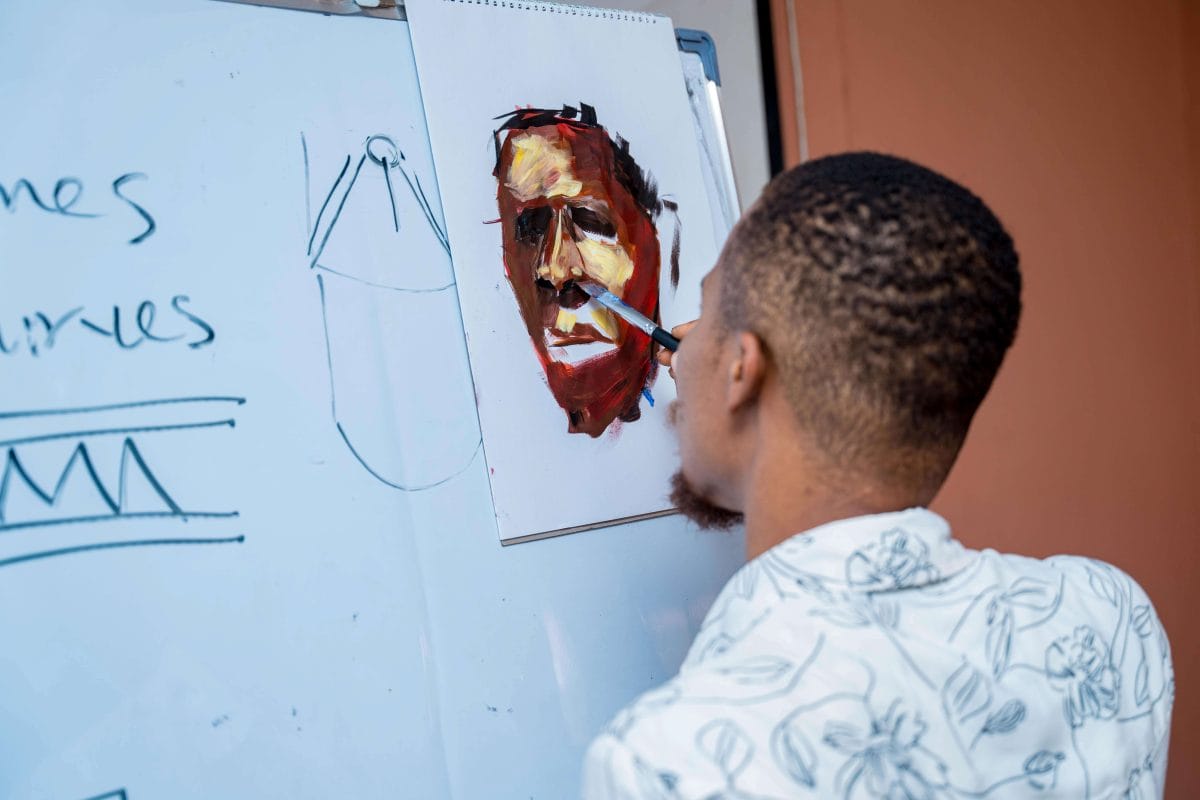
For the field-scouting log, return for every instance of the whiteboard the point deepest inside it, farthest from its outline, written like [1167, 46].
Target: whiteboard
[271, 567]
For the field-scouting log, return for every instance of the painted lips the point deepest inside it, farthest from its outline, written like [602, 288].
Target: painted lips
[578, 334]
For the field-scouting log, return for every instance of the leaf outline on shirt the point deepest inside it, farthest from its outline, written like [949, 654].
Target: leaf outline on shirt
[1003, 720]
[998, 642]
[654, 784]
[757, 670]
[783, 682]
[1102, 582]
[794, 754]
[966, 693]
[725, 744]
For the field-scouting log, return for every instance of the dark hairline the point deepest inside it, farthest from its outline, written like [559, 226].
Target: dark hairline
[627, 172]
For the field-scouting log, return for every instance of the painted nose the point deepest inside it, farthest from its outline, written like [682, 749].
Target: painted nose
[560, 261]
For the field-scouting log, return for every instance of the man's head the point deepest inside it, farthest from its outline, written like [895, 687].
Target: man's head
[863, 306]
[577, 209]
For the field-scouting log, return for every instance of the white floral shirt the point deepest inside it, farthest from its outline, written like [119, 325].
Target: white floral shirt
[876, 657]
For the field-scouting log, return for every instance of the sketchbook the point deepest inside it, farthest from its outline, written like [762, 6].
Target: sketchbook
[567, 154]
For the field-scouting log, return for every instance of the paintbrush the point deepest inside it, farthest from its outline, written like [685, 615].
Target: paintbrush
[631, 315]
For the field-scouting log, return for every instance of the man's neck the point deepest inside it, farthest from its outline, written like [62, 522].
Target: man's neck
[789, 492]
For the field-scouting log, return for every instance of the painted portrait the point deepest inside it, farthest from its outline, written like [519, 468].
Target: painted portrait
[576, 208]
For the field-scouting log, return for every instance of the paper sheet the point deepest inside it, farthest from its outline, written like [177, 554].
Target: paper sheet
[595, 187]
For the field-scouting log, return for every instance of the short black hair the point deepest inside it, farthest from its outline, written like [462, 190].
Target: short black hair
[887, 296]
[635, 180]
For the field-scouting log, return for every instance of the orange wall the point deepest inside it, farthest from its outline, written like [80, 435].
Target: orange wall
[1079, 123]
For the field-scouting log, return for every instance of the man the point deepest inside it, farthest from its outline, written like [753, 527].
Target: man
[575, 209]
[851, 328]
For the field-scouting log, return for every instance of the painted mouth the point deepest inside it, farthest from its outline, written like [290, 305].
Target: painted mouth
[582, 332]
[580, 351]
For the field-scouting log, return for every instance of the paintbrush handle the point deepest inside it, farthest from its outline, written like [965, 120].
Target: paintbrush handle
[665, 339]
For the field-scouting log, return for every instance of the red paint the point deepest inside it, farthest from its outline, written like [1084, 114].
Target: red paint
[608, 386]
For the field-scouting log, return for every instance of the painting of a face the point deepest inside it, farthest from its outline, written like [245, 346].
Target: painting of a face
[569, 220]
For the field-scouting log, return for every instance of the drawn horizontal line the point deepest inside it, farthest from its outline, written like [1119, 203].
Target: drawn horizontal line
[47, 437]
[181, 515]
[49, 412]
[333, 271]
[83, 548]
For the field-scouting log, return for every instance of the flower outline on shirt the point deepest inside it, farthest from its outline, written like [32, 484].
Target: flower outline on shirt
[1079, 666]
[897, 561]
[887, 760]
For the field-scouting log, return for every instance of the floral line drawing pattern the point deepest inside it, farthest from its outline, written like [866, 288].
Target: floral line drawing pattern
[878, 658]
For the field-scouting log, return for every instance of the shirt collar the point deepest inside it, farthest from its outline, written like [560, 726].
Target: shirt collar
[833, 564]
[873, 553]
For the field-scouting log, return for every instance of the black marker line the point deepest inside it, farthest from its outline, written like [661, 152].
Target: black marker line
[333, 271]
[151, 225]
[119, 517]
[48, 437]
[328, 350]
[429, 206]
[337, 214]
[87, 323]
[307, 189]
[119, 406]
[383, 163]
[63, 551]
[391, 196]
[54, 326]
[131, 449]
[401, 487]
[115, 794]
[13, 462]
[419, 195]
[328, 197]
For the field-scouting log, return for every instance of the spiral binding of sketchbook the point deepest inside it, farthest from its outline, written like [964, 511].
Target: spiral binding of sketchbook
[567, 9]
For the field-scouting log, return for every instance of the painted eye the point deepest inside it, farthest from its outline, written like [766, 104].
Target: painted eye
[593, 225]
[532, 224]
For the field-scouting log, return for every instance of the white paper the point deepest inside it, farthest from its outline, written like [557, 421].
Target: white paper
[480, 60]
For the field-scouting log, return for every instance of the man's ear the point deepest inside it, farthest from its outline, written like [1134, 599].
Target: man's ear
[747, 369]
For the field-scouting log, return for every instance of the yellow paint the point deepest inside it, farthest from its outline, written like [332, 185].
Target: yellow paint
[606, 263]
[566, 321]
[540, 167]
[604, 321]
[558, 270]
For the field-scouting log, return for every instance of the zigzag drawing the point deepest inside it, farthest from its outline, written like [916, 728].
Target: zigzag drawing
[116, 503]
[75, 494]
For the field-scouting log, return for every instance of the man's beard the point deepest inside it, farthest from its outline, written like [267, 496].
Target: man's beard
[696, 507]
